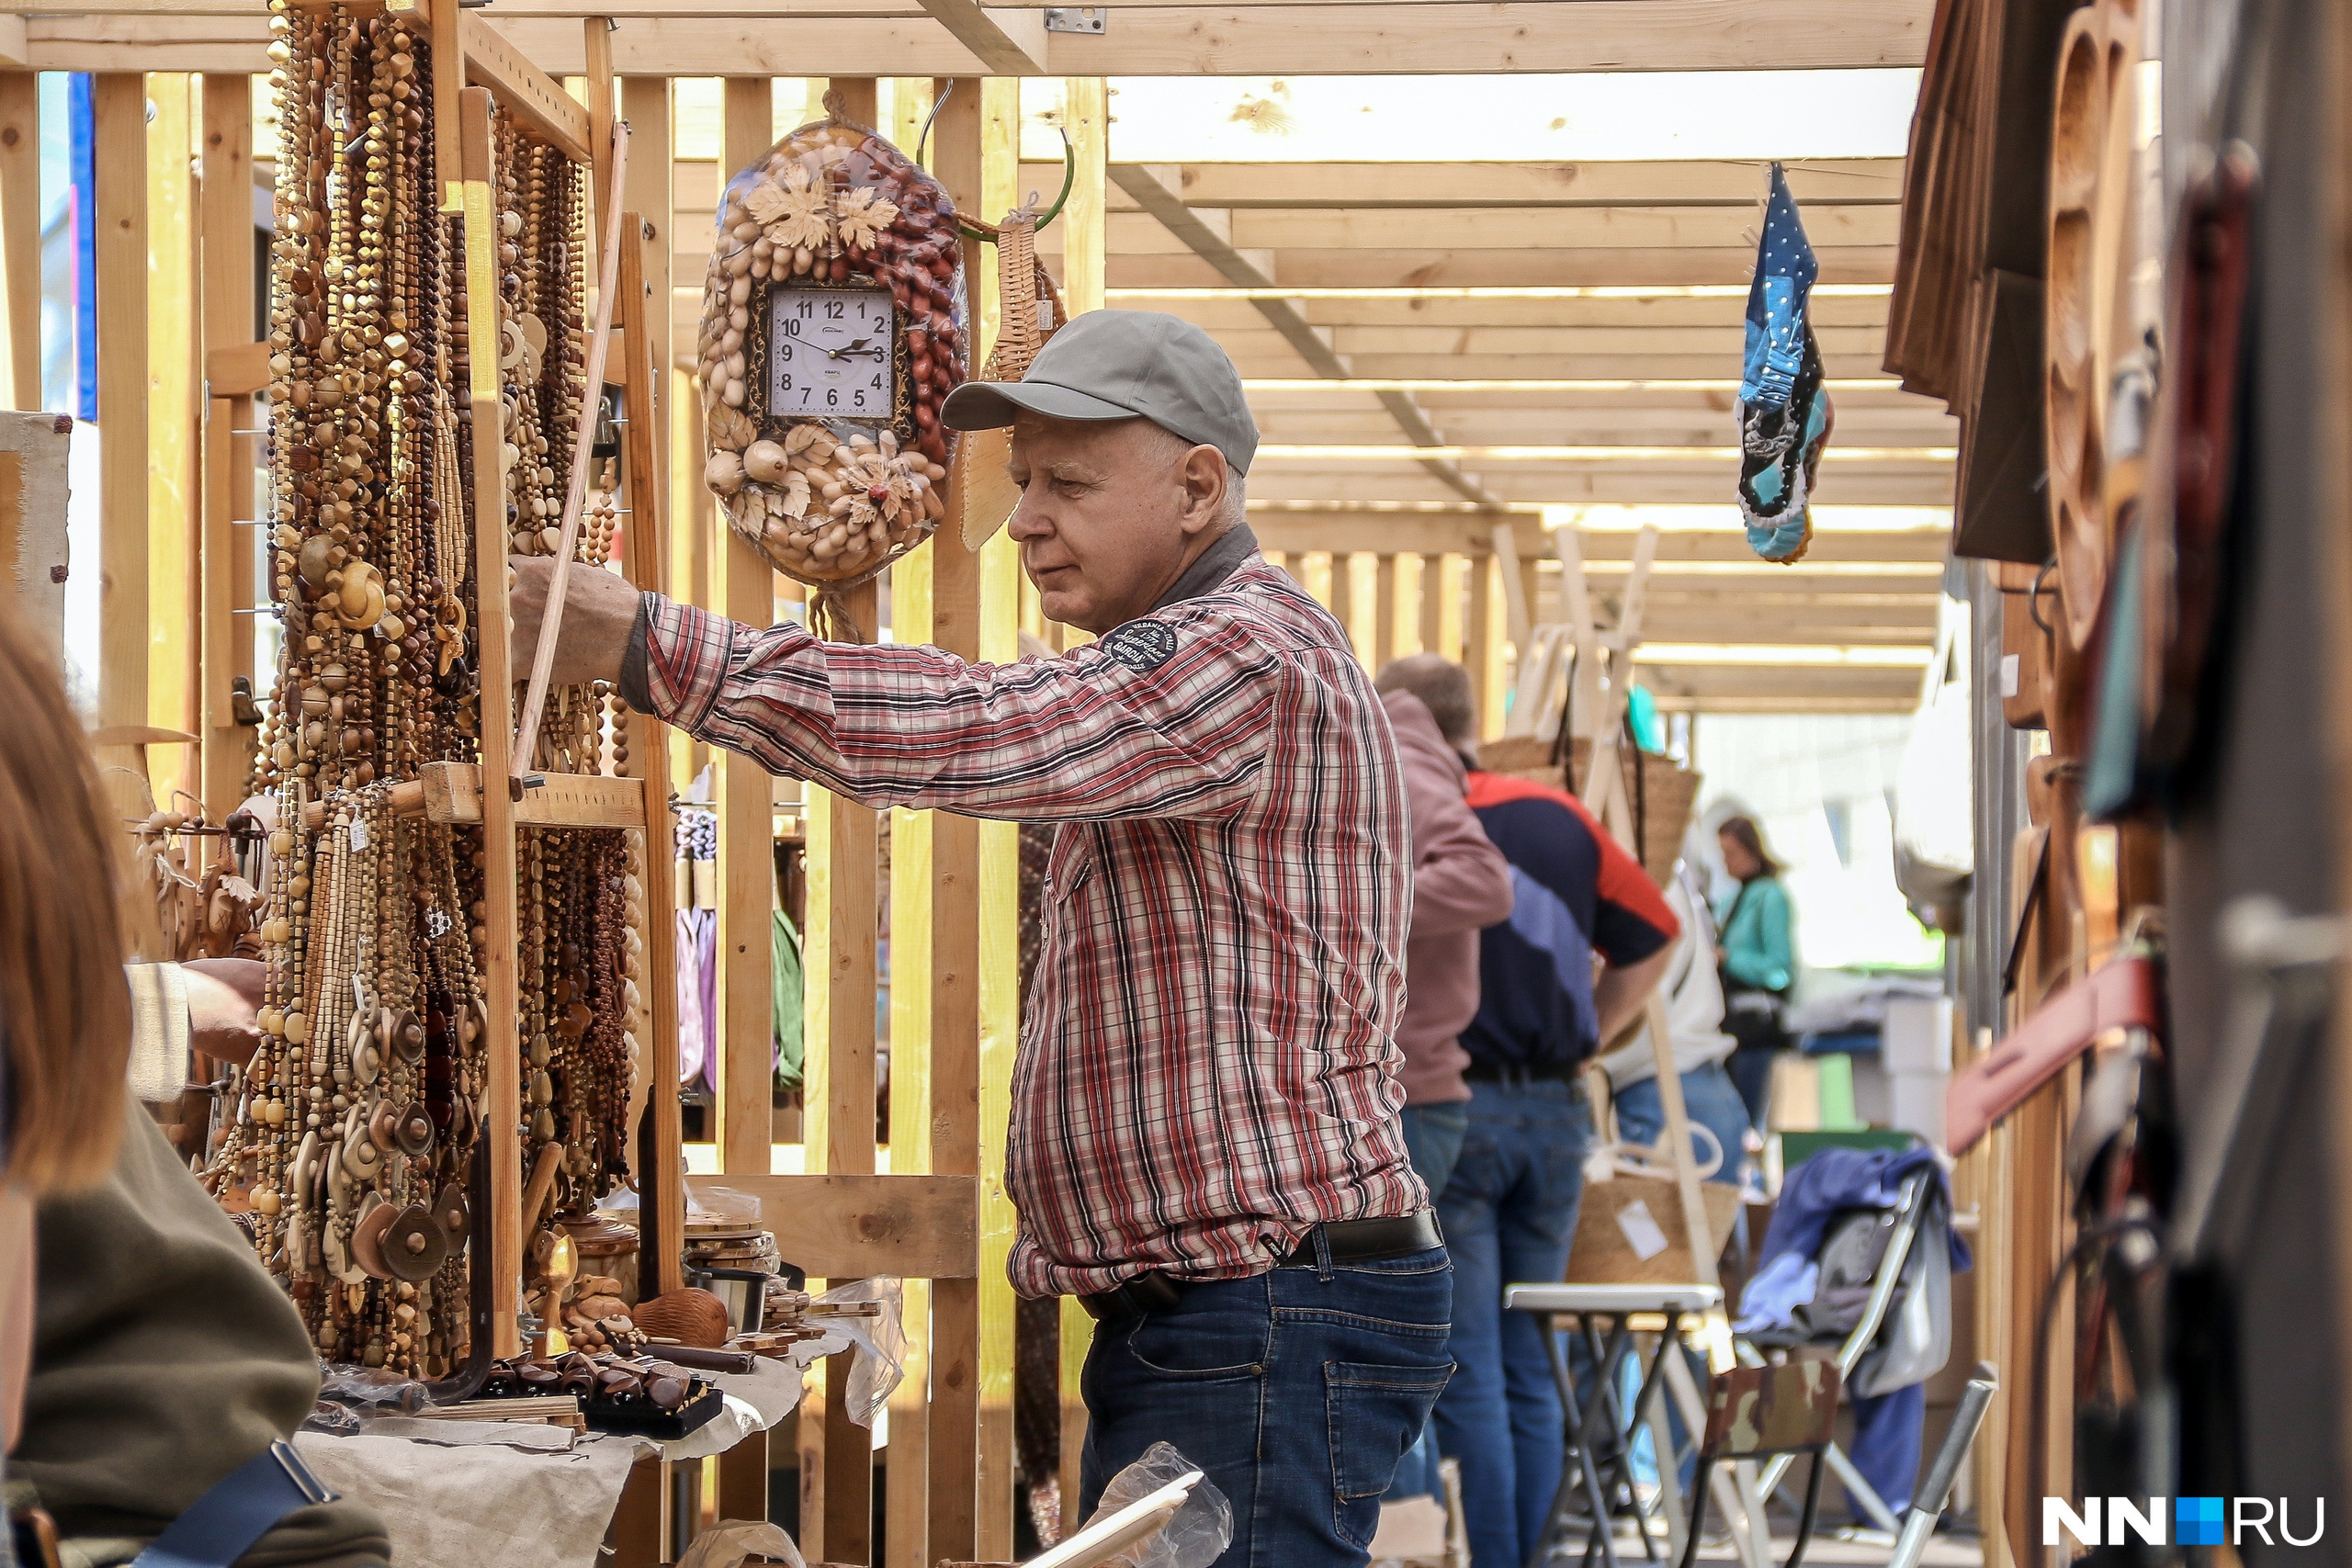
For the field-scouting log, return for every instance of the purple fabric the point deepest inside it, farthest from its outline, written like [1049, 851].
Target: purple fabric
[697, 990]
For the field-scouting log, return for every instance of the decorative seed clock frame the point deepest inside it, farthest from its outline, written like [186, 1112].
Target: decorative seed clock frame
[833, 327]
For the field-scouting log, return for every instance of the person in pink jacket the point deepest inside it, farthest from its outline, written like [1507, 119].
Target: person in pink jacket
[1461, 883]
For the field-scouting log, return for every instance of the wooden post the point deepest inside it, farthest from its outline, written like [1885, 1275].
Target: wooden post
[914, 997]
[746, 812]
[861, 98]
[1086, 116]
[848, 1115]
[960, 149]
[645, 103]
[597, 47]
[20, 235]
[746, 831]
[1384, 612]
[1433, 603]
[647, 543]
[1518, 606]
[1000, 967]
[837, 1487]
[1343, 597]
[1478, 651]
[226, 552]
[996, 961]
[1576, 609]
[174, 395]
[503, 1100]
[118, 115]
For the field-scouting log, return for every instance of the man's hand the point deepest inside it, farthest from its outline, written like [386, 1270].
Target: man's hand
[598, 611]
[223, 995]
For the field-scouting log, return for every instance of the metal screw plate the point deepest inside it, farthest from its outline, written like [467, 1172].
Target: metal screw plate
[1078, 18]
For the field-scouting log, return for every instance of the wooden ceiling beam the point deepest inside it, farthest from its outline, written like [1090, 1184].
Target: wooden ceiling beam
[1255, 362]
[1609, 487]
[1009, 42]
[1263, 39]
[1449, 37]
[1627, 427]
[1628, 182]
[1270, 360]
[1474, 266]
[1721, 311]
[1139, 232]
[1178, 220]
[1465, 532]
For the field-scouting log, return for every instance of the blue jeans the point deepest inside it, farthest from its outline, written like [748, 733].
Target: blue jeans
[1296, 1391]
[1433, 1136]
[1711, 1100]
[1433, 1142]
[1510, 1214]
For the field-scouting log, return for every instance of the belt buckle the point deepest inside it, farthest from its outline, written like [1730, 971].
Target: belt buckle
[308, 1485]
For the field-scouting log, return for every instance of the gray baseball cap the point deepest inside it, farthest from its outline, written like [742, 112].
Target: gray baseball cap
[1110, 365]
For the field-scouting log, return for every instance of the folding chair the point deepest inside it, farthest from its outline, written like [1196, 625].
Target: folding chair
[1772, 1413]
[1909, 1212]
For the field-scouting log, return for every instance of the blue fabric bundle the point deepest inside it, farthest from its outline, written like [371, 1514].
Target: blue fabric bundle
[1784, 413]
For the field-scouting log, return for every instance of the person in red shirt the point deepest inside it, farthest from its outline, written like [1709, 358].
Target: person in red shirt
[1589, 936]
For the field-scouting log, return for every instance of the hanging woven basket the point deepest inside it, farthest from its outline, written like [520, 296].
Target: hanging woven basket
[833, 327]
[1029, 312]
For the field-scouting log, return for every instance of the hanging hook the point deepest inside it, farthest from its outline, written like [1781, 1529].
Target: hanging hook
[923, 139]
[1070, 183]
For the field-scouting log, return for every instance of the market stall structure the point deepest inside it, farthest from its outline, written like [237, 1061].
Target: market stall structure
[1454, 362]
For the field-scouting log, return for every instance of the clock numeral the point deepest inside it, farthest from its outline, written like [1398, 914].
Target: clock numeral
[792, 323]
[834, 309]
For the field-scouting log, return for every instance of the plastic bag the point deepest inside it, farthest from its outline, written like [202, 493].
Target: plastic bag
[709, 1204]
[879, 1340]
[1935, 798]
[833, 327]
[1201, 1530]
[731, 1542]
[371, 1390]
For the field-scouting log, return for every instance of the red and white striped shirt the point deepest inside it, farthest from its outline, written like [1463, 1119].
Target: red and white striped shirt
[1207, 1065]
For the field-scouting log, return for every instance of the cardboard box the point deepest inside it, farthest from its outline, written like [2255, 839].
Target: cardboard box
[1919, 1103]
[1917, 1036]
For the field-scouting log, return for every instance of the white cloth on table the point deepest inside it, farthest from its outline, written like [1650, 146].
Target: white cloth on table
[451, 1502]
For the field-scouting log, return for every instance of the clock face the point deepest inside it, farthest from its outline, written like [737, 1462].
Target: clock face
[828, 354]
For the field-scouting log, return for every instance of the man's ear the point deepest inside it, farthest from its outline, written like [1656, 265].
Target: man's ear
[1204, 477]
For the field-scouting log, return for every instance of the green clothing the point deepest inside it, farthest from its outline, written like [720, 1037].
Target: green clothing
[784, 1000]
[1756, 947]
[163, 1358]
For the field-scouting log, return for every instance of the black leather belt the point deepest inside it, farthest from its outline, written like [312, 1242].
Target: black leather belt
[1570, 1073]
[1347, 1241]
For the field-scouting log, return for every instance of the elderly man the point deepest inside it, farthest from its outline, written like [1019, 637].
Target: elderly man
[1204, 1141]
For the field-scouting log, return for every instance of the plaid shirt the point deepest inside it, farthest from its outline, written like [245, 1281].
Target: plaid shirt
[1207, 1065]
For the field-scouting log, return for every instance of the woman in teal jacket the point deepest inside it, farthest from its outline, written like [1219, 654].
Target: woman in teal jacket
[1757, 960]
